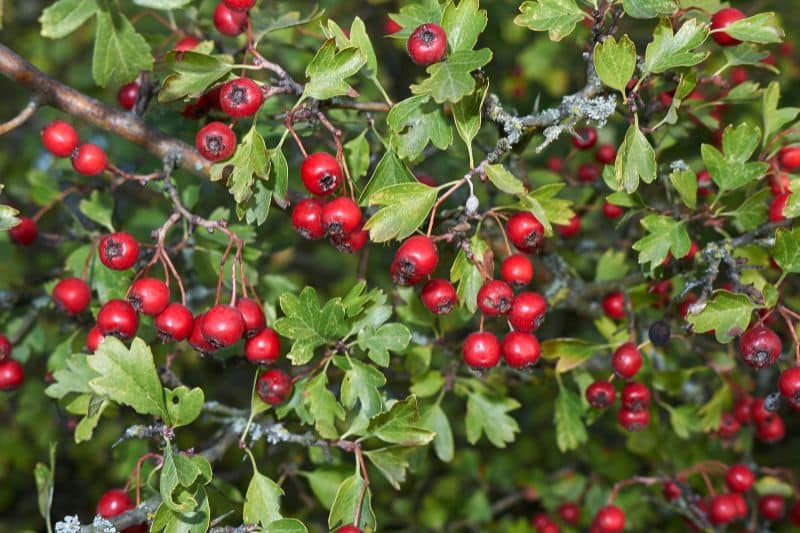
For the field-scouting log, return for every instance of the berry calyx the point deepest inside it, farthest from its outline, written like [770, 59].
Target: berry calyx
[5, 347]
[240, 98]
[94, 339]
[223, 325]
[12, 375]
[72, 295]
[118, 251]
[520, 349]
[174, 323]
[772, 507]
[114, 502]
[89, 159]
[606, 154]
[635, 396]
[127, 95]
[627, 360]
[321, 173]
[739, 478]
[416, 258]
[609, 519]
[760, 347]
[584, 138]
[239, 5]
[633, 420]
[274, 386]
[481, 350]
[611, 211]
[789, 158]
[571, 228]
[527, 311]
[60, 138]
[427, 44]
[117, 318]
[149, 296]
[253, 315]
[789, 385]
[516, 270]
[601, 394]
[495, 298]
[263, 348]
[25, 232]
[439, 296]
[614, 305]
[341, 216]
[525, 231]
[307, 218]
[722, 19]
[215, 141]
[229, 22]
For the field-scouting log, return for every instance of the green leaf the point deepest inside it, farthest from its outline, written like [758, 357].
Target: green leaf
[262, 501]
[357, 150]
[414, 15]
[324, 482]
[570, 430]
[636, 160]
[435, 419]
[451, 80]
[570, 353]
[162, 4]
[8, 217]
[615, 62]
[467, 114]
[488, 416]
[98, 208]
[400, 425]
[120, 53]
[727, 314]
[414, 125]
[45, 482]
[309, 324]
[557, 17]
[73, 378]
[389, 171]
[128, 377]
[179, 474]
[427, 384]
[786, 250]
[286, 525]
[774, 118]
[684, 419]
[195, 521]
[280, 168]
[467, 276]
[463, 24]
[65, 16]
[753, 211]
[249, 161]
[328, 71]
[356, 38]
[87, 424]
[192, 74]
[392, 462]
[546, 207]
[664, 235]
[611, 265]
[761, 28]
[647, 9]
[711, 412]
[729, 169]
[255, 209]
[670, 50]
[379, 342]
[184, 405]
[347, 501]
[322, 405]
[504, 180]
[406, 207]
[361, 383]
[685, 182]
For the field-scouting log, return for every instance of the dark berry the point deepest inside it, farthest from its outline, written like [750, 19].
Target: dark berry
[659, 333]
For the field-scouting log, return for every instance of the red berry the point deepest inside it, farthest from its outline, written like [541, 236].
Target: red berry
[588, 173]
[723, 509]
[611, 211]
[633, 420]
[635, 396]
[570, 512]
[94, 339]
[341, 216]
[25, 232]
[571, 228]
[789, 158]
[253, 315]
[585, 138]
[72, 295]
[321, 173]
[196, 338]
[601, 394]
[307, 218]
[779, 183]
[739, 478]
[728, 426]
[738, 75]
[89, 159]
[117, 318]
[427, 44]
[495, 298]
[186, 44]
[614, 305]
[771, 431]
[240, 98]
[606, 154]
[223, 325]
[626, 360]
[263, 348]
[517, 270]
[439, 296]
[127, 95]
[5, 347]
[149, 296]
[760, 347]
[60, 138]
[672, 491]
[527, 311]
[759, 414]
[772, 507]
[520, 349]
[427, 179]
[215, 141]
[794, 515]
[789, 385]
[741, 409]
[390, 27]
[350, 243]
[705, 185]
[525, 231]
[609, 519]
[348, 529]
[114, 503]
[416, 258]
[118, 251]
[481, 350]
[720, 20]
[555, 164]
[229, 22]
[540, 520]
[239, 5]
[12, 375]
[174, 323]
[274, 386]
[777, 207]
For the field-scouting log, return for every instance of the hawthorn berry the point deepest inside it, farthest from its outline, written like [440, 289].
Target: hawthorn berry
[495, 298]
[253, 315]
[72, 295]
[307, 218]
[350, 243]
[779, 183]
[772, 507]
[722, 19]
[520, 349]
[186, 44]
[588, 173]
[5, 347]
[481, 350]
[794, 514]
[760, 347]
[758, 412]
[196, 338]
[60, 138]
[89, 159]
[672, 491]
[635, 396]
[571, 228]
[149, 296]
[611, 211]
[614, 305]
[274, 386]
[527, 311]
[606, 154]
[341, 216]
[94, 339]
[525, 231]
[705, 185]
[728, 426]
[739, 478]
[741, 409]
[118, 251]
[416, 258]
[601, 394]
[229, 22]
[25, 232]
[659, 333]
[555, 164]
[427, 44]
[633, 420]
[12, 375]
[439, 296]
[117, 318]
[584, 138]
[223, 325]
[789, 158]
[609, 519]
[773, 430]
[789, 385]
[570, 512]
[321, 173]
[113, 503]
[777, 207]
[541, 520]
[174, 323]
[239, 5]
[263, 348]
[516, 270]
[215, 141]
[127, 95]
[240, 98]
[627, 360]
[722, 509]
[348, 529]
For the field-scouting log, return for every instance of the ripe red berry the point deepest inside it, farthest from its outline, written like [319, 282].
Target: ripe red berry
[416, 258]
[196, 338]
[759, 414]
[174, 323]
[760, 347]
[186, 44]
[348, 529]
[72, 295]
[94, 339]
[705, 185]
[588, 173]
[223, 325]
[570, 512]
[672, 491]
[391, 27]
[127, 95]
[439, 296]
[739, 75]
[739, 478]
[307, 218]
[635, 396]
[779, 183]
[527, 311]
[60, 138]
[789, 158]
[149, 296]
[341, 216]
[601, 394]
[239, 5]
[263, 348]
[350, 243]
[240, 98]
[520, 349]
[274, 386]
[772, 507]
[555, 164]
[229, 22]
[5, 347]
[25, 232]
[215, 141]
[585, 138]
[253, 315]
[772, 430]
[12, 375]
[118, 251]
[481, 350]
[89, 159]
[741, 409]
[720, 20]
[614, 305]
[114, 503]
[495, 298]
[777, 207]
[728, 426]
[117, 318]
[516, 270]
[789, 385]
[321, 173]
[723, 509]
[633, 420]
[606, 154]
[611, 211]
[609, 519]
[525, 231]
[626, 360]
[427, 44]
